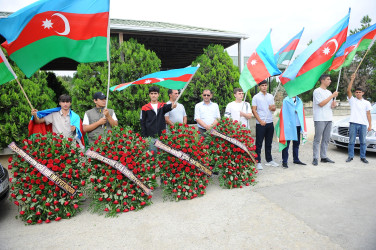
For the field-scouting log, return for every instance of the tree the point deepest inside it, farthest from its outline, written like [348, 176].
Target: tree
[15, 112]
[129, 61]
[217, 73]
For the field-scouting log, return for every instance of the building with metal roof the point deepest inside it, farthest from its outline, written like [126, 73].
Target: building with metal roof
[176, 45]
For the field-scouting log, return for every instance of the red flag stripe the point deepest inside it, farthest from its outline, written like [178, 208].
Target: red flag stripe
[257, 68]
[292, 45]
[77, 27]
[282, 138]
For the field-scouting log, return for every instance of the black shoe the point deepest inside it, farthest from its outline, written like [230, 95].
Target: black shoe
[349, 159]
[327, 160]
[285, 165]
[364, 160]
[315, 162]
[299, 162]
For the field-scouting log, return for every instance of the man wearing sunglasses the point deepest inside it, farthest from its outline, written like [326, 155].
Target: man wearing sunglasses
[206, 112]
[360, 118]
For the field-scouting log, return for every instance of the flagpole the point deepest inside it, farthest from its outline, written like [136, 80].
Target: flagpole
[245, 96]
[108, 54]
[5, 60]
[339, 77]
[369, 47]
[186, 85]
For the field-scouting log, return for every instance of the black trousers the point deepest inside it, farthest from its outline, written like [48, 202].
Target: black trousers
[264, 132]
[295, 148]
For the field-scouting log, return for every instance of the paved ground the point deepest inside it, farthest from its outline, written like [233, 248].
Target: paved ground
[329, 206]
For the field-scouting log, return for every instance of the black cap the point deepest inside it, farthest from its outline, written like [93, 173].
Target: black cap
[99, 95]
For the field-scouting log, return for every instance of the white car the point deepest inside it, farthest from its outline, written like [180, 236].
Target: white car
[340, 133]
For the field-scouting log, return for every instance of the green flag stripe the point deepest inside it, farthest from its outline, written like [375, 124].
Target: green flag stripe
[285, 56]
[305, 82]
[34, 56]
[246, 80]
[5, 75]
[172, 84]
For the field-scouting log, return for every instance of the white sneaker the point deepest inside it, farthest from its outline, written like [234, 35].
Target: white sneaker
[259, 166]
[271, 164]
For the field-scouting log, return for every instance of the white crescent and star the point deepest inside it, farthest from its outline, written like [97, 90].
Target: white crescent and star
[47, 24]
[326, 50]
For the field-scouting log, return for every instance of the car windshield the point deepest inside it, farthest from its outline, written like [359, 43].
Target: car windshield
[373, 110]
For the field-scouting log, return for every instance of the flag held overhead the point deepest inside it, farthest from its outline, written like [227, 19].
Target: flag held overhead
[172, 79]
[287, 51]
[260, 65]
[50, 29]
[356, 42]
[304, 72]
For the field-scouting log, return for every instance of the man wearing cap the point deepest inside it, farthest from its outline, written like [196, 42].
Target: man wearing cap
[262, 108]
[98, 119]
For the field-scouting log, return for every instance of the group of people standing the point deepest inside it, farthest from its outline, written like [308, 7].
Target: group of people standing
[155, 115]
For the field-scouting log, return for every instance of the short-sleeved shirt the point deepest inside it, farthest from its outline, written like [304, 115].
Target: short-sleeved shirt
[208, 113]
[359, 110]
[177, 114]
[325, 112]
[233, 110]
[262, 103]
[60, 123]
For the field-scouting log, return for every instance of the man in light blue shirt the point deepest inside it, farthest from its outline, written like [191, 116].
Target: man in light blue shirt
[206, 112]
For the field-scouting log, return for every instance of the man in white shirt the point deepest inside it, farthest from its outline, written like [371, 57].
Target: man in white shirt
[178, 114]
[360, 117]
[323, 103]
[238, 110]
[262, 107]
[206, 112]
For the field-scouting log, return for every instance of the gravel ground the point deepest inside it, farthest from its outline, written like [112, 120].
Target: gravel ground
[329, 206]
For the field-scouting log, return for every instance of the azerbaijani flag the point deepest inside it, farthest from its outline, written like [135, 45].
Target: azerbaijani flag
[288, 50]
[50, 29]
[260, 65]
[304, 72]
[172, 79]
[6, 72]
[356, 42]
[286, 125]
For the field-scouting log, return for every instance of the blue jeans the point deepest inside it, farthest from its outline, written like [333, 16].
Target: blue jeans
[361, 130]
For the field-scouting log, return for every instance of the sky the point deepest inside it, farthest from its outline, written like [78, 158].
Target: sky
[252, 18]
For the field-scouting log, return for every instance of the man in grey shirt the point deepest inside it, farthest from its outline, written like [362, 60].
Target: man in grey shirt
[178, 114]
[98, 119]
[262, 107]
[322, 116]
